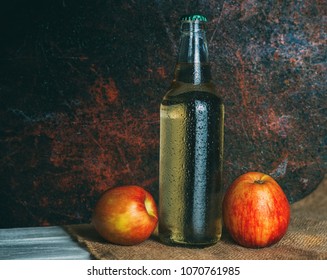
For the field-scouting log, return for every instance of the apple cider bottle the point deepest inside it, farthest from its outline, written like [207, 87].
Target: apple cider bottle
[191, 146]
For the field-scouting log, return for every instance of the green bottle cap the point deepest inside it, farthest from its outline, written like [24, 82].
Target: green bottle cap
[194, 18]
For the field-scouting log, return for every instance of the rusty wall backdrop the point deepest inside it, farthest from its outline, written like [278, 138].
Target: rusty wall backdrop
[81, 83]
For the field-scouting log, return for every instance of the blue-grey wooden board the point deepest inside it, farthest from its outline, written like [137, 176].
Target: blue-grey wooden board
[39, 243]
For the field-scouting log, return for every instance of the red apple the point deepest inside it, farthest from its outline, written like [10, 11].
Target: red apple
[256, 211]
[125, 215]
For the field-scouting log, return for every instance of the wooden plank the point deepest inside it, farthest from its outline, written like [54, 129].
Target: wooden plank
[39, 243]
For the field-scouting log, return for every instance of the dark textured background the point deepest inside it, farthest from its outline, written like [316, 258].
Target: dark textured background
[81, 83]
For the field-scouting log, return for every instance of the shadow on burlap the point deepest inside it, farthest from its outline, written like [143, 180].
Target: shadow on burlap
[306, 238]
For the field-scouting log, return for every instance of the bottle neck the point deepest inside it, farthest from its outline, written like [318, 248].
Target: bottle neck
[193, 59]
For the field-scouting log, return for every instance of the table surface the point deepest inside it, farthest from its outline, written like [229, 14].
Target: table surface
[40, 243]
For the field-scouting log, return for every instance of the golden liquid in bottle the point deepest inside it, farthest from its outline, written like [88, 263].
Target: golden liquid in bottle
[191, 155]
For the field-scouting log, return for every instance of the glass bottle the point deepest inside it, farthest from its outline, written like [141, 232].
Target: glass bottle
[191, 146]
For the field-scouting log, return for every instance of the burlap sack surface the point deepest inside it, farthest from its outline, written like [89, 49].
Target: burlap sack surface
[306, 238]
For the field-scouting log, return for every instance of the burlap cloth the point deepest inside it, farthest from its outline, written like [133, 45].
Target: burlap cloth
[306, 238]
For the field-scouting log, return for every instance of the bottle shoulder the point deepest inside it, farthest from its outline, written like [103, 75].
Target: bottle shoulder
[179, 88]
[188, 94]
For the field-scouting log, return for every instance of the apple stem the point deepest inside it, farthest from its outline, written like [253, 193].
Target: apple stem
[259, 182]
